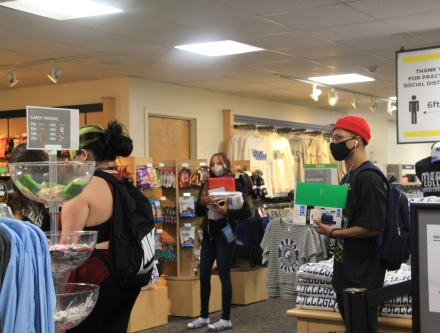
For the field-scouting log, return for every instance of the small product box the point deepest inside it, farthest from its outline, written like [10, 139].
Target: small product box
[319, 200]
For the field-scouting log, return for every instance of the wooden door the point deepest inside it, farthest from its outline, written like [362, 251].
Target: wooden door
[169, 138]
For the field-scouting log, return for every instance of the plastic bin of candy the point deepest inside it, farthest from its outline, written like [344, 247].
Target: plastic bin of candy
[69, 250]
[75, 301]
[33, 179]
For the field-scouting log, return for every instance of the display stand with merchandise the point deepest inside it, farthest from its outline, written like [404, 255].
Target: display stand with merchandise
[248, 283]
[181, 275]
[150, 308]
[53, 183]
[178, 270]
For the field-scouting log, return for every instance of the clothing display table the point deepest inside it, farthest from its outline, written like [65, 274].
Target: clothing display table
[312, 321]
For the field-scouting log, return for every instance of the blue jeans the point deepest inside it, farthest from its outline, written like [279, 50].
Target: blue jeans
[216, 249]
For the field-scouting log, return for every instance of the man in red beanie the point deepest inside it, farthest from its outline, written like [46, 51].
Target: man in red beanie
[356, 263]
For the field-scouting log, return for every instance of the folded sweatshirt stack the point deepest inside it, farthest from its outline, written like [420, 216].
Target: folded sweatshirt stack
[314, 288]
[400, 306]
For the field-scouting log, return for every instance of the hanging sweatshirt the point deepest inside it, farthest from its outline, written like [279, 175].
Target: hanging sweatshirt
[286, 247]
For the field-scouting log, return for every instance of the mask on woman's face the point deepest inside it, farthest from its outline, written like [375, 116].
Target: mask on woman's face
[340, 150]
[219, 170]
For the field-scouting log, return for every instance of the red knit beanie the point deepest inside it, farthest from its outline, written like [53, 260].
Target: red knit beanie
[357, 125]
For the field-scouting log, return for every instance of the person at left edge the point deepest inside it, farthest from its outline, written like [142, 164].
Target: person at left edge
[22, 207]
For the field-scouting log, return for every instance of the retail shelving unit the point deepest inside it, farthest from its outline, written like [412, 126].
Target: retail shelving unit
[150, 309]
[182, 275]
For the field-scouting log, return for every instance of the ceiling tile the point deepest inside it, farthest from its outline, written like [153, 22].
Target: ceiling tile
[285, 40]
[264, 7]
[319, 51]
[355, 31]
[395, 8]
[248, 27]
[197, 13]
[321, 17]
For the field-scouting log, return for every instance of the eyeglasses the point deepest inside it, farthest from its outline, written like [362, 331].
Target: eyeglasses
[338, 138]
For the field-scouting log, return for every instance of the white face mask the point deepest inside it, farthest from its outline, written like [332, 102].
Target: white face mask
[219, 170]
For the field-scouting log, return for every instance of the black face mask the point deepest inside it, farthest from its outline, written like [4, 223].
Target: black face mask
[339, 150]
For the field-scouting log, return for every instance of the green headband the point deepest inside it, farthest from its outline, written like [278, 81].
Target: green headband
[89, 129]
[85, 130]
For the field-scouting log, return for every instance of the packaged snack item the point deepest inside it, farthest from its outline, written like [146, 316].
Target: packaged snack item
[142, 177]
[200, 175]
[157, 211]
[151, 174]
[184, 178]
[72, 189]
[187, 235]
[187, 207]
[29, 184]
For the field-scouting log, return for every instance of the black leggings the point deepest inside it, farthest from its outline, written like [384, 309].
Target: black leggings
[111, 313]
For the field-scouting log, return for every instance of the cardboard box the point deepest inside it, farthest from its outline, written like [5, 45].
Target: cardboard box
[312, 200]
[150, 309]
[184, 296]
[248, 286]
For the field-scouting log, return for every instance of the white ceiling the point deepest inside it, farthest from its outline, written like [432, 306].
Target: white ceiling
[301, 38]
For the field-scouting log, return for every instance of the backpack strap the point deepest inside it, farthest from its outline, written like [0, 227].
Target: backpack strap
[97, 253]
[367, 166]
[106, 176]
[112, 180]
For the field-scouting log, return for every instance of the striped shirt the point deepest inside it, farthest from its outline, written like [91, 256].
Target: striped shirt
[285, 248]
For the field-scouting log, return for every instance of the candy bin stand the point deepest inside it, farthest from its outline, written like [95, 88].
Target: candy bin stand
[53, 183]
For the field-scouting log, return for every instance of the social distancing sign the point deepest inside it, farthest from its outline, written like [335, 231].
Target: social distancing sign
[418, 95]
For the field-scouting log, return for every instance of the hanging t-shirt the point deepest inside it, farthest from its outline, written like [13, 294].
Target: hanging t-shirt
[313, 151]
[298, 150]
[429, 175]
[324, 156]
[283, 179]
[257, 149]
[286, 247]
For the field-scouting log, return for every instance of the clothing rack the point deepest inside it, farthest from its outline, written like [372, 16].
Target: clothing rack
[246, 126]
[232, 121]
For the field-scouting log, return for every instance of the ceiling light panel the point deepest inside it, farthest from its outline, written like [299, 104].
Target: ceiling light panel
[214, 49]
[341, 79]
[61, 9]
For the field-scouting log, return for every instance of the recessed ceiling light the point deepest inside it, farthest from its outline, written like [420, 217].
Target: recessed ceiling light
[61, 9]
[394, 98]
[214, 49]
[341, 79]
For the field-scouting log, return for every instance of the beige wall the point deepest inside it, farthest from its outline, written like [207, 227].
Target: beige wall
[69, 94]
[136, 98]
[147, 97]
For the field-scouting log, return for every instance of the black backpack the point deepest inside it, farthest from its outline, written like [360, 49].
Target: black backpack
[394, 244]
[132, 242]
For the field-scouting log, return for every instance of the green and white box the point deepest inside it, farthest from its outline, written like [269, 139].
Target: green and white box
[314, 199]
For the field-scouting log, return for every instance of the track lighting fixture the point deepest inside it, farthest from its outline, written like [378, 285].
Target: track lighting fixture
[373, 105]
[332, 100]
[12, 77]
[55, 74]
[316, 92]
[391, 108]
[355, 102]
